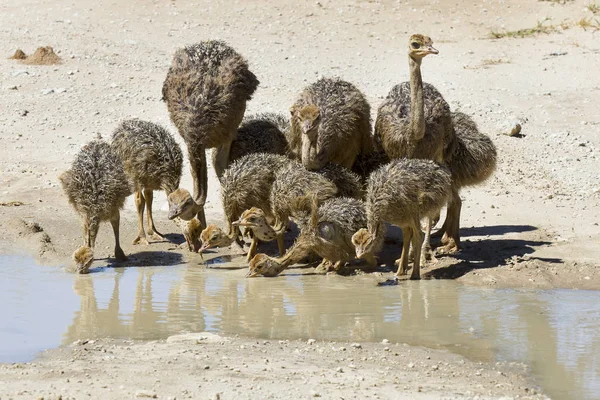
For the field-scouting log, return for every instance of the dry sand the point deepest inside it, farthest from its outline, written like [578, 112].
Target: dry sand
[535, 223]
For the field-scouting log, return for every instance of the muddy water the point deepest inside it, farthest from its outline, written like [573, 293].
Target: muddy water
[556, 332]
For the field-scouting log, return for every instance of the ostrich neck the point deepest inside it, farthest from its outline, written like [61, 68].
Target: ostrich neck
[294, 254]
[417, 108]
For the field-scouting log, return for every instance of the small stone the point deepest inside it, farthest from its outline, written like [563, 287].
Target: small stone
[47, 91]
[357, 345]
[339, 369]
[315, 394]
[385, 341]
[20, 72]
[60, 90]
[311, 341]
[512, 129]
[145, 393]
[411, 365]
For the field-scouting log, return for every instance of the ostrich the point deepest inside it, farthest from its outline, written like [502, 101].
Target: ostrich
[330, 122]
[327, 232]
[473, 161]
[152, 160]
[96, 187]
[206, 90]
[401, 193]
[414, 121]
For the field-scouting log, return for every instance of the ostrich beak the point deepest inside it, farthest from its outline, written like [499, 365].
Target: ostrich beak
[252, 274]
[432, 50]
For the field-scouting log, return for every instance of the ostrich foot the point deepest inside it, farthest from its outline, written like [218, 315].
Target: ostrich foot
[140, 240]
[324, 267]
[156, 235]
[450, 248]
[119, 255]
[401, 271]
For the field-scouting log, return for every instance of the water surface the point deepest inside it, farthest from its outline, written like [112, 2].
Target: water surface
[556, 332]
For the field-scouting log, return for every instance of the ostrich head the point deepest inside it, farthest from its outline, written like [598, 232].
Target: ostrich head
[252, 218]
[83, 257]
[262, 264]
[182, 205]
[213, 236]
[314, 154]
[419, 46]
[363, 242]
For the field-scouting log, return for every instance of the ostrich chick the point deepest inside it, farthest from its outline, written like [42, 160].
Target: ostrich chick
[473, 162]
[206, 90]
[401, 193]
[327, 232]
[330, 122]
[152, 161]
[96, 187]
[414, 120]
[246, 183]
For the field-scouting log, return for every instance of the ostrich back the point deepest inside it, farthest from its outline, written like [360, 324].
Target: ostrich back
[206, 90]
[293, 181]
[247, 183]
[96, 184]
[392, 126]
[348, 183]
[407, 188]
[151, 157]
[345, 126]
[474, 158]
[259, 134]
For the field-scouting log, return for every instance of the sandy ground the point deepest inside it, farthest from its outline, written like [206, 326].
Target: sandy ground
[535, 223]
[205, 366]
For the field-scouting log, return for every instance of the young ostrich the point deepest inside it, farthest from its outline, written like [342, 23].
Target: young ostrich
[291, 182]
[152, 160]
[473, 161]
[330, 122]
[327, 232]
[401, 193]
[245, 184]
[96, 187]
[206, 90]
[260, 133]
[414, 120]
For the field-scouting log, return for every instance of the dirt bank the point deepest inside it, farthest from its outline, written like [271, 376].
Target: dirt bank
[205, 366]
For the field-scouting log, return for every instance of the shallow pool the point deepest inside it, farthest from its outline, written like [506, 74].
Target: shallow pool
[556, 332]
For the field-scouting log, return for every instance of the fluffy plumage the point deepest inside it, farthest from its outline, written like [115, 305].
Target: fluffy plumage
[260, 133]
[392, 126]
[343, 128]
[206, 90]
[401, 193]
[96, 186]
[151, 157]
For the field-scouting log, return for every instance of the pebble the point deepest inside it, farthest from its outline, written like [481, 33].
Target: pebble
[145, 393]
[385, 341]
[47, 91]
[511, 129]
[357, 345]
[311, 341]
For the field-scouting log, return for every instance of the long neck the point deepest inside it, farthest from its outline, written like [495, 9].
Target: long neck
[294, 254]
[417, 108]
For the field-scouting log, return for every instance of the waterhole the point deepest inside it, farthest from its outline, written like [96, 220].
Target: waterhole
[556, 332]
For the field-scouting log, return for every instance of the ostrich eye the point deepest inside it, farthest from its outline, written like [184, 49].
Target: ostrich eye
[252, 219]
[415, 45]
